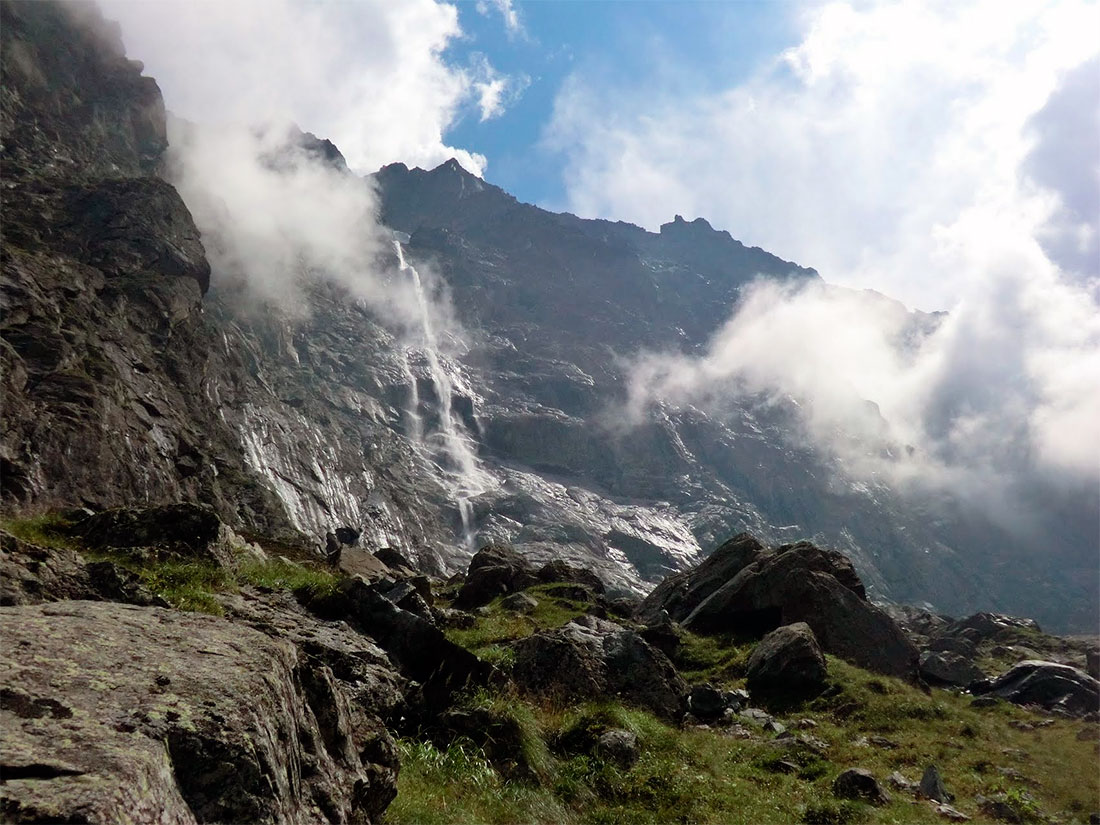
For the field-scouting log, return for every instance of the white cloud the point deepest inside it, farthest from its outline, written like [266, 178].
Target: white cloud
[933, 152]
[507, 11]
[856, 152]
[371, 75]
[495, 92]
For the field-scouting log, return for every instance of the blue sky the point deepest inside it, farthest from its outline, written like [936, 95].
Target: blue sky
[667, 47]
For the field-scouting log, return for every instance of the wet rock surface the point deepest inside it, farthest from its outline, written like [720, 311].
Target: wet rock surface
[116, 712]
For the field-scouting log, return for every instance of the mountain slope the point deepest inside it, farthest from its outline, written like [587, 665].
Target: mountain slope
[135, 371]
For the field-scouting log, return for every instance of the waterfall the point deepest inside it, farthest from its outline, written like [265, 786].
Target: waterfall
[451, 448]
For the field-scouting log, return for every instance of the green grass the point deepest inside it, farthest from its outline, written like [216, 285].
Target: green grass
[280, 575]
[185, 585]
[705, 776]
[490, 632]
[45, 529]
[718, 659]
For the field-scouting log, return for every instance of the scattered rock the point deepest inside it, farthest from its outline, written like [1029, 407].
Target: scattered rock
[560, 571]
[449, 617]
[900, 783]
[394, 560]
[495, 570]
[856, 783]
[788, 660]
[1003, 809]
[756, 716]
[519, 602]
[591, 658]
[947, 668]
[737, 699]
[1092, 662]
[947, 812]
[954, 644]
[418, 647]
[664, 635]
[931, 785]
[706, 702]
[1049, 685]
[618, 746]
[772, 726]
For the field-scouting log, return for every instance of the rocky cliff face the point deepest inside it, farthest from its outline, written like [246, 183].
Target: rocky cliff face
[133, 373]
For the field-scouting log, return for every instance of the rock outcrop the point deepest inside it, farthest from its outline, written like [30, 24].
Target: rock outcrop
[788, 660]
[32, 574]
[591, 658]
[1049, 685]
[174, 717]
[746, 589]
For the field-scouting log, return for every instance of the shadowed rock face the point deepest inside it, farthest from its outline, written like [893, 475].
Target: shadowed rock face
[140, 713]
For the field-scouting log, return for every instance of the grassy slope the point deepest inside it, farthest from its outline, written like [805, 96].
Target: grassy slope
[691, 775]
[707, 776]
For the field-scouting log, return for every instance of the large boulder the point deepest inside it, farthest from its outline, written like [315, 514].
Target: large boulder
[116, 713]
[804, 583]
[495, 570]
[947, 668]
[857, 783]
[191, 532]
[679, 594]
[560, 571]
[787, 660]
[1047, 684]
[591, 658]
[416, 646]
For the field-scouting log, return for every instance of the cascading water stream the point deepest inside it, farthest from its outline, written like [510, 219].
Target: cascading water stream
[461, 469]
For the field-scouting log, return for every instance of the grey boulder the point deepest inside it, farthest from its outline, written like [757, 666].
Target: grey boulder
[591, 658]
[787, 660]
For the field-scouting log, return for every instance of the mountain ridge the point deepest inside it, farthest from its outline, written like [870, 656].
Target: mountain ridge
[291, 424]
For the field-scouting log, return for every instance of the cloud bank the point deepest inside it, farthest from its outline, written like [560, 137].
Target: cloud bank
[371, 75]
[944, 154]
[872, 150]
